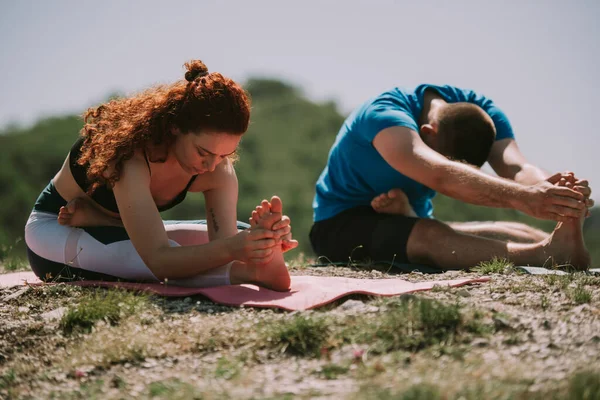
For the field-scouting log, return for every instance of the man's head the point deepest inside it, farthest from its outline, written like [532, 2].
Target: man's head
[462, 132]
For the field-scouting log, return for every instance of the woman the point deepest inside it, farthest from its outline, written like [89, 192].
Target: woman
[99, 216]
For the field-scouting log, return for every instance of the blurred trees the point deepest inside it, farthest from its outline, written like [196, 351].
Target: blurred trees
[283, 153]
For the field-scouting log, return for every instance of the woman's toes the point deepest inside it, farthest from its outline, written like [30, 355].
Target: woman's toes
[276, 205]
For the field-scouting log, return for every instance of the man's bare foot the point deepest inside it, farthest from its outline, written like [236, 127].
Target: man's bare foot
[567, 247]
[79, 212]
[567, 239]
[275, 274]
[393, 202]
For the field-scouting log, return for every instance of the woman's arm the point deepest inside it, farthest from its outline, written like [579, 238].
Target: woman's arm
[221, 201]
[145, 228]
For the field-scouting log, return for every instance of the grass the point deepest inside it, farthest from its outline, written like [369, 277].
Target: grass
[7, 379]
[408, 323]
[407, 347]
[9, 260]
[331, 371]
[101, 305]
[228, 369]
[574, 285]
[12, 264]
[301, 335]
[494, 266]
[580, 295]
[584, 385]
[173, 389]
[422, 391]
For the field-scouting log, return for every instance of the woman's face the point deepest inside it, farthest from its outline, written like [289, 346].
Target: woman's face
[198, 153]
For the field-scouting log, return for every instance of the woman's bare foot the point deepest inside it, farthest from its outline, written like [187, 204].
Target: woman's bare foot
[275, 274]
[80, 212]
[393, 202]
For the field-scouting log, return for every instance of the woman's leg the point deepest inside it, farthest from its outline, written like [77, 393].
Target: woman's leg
[93, 255]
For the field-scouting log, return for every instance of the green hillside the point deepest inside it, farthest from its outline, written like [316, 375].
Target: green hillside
[283, 153]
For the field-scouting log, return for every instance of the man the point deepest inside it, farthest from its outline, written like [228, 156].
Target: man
[391, 156]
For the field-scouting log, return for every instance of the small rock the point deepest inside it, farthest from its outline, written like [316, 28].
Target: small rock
[581, 309]
[464, 293]
[352, 305]
[54, 314]
[452, 273]
[23, 309]
[16, 294]
[501, 322]
[479, 342]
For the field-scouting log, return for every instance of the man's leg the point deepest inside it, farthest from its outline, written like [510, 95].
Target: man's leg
[501, 230]
[434, 243]
[361, 233]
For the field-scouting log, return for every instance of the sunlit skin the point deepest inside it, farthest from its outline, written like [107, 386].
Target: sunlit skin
[565, 245]
[205, 154]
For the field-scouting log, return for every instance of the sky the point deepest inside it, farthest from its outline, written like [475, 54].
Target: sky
[537, 59]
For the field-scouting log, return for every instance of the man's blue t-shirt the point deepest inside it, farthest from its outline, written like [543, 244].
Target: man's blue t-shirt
[356, 172]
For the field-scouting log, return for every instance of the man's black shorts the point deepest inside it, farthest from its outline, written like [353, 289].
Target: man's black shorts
[360, 233]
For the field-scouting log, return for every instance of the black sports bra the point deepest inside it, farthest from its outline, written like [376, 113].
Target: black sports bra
[103, 195]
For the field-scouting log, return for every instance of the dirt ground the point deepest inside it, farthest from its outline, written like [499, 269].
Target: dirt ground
[516, 336]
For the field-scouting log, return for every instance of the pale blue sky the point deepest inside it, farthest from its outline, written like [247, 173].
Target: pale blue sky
[538, 60]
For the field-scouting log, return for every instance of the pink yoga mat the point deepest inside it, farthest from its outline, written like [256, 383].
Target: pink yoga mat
[307, 291]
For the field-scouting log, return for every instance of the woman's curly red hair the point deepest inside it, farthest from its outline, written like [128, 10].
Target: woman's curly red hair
[115, 130]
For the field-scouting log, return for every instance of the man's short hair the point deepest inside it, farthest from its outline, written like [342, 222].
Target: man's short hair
[466, 133]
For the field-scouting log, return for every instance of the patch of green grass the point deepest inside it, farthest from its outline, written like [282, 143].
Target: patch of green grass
[15, 264]
[87, 390]
[544, 302]
[6, 249]
[8, 379]
[584, 385]
[513, 340]
[494, 266]
[108, 305]
[422, 391]
[301, 335]
[173, 389]
[332, 371]
[476, 325]
[519, 288]
[561, 281]
[442, 289]
[580, 295]
[409, 323]
[228, 369]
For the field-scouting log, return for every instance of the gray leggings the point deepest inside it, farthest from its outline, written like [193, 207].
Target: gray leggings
[58, 252]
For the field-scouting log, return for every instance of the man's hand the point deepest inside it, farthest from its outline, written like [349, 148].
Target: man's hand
[568, 179]
[546, 200]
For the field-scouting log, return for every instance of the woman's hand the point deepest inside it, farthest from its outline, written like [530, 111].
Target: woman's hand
[281, 228]
[253, 246]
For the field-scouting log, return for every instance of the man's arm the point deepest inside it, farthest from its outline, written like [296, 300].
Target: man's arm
[508, 162]
[403, 150]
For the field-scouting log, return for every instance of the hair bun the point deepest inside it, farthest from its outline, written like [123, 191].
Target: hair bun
[195, 69]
